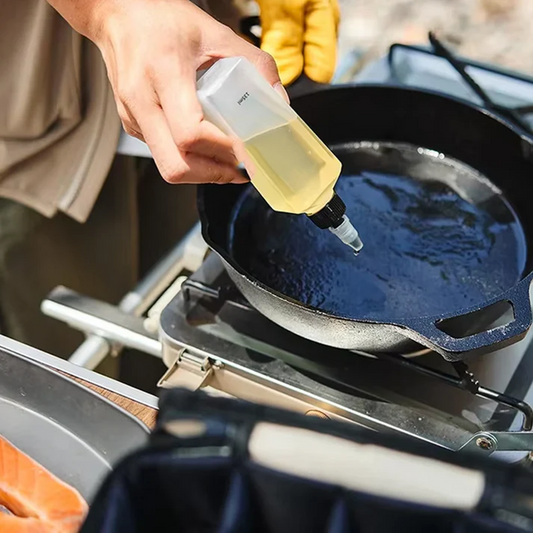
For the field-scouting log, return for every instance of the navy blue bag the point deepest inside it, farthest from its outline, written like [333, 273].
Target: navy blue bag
[218, 465]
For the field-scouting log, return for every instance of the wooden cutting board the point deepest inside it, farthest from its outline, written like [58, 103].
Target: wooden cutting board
[145, 414]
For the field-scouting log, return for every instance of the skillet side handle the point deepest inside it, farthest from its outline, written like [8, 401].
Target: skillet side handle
[425, 330]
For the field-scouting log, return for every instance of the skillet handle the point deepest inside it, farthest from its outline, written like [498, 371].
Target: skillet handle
[426, 331]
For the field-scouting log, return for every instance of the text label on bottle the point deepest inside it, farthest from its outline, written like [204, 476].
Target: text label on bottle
[243, 98]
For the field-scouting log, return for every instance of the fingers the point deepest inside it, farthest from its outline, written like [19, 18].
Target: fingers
[191, 133]
[128, 121]
[175, 165]
[186, 148]
[320, 40]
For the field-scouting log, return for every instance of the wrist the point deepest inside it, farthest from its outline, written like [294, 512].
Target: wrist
[88, 17]
[106, 17]
[99, 17]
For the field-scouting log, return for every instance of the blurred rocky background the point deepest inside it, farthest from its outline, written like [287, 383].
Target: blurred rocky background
[497, 31]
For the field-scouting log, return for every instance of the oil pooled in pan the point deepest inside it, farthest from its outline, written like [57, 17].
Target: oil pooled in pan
[438, 238]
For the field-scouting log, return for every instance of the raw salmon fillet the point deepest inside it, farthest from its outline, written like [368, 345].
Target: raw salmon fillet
[39, 501]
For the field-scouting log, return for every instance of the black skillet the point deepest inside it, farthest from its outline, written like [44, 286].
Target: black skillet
[439, 190]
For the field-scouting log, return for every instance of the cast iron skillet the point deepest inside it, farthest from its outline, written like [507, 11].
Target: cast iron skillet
[440, 191]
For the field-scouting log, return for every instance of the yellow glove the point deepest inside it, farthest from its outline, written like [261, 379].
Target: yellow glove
[301, 35]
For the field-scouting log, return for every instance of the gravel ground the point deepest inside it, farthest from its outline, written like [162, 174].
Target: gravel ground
[498, 31]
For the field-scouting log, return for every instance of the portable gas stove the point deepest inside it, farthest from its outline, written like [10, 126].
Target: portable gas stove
[210, 337]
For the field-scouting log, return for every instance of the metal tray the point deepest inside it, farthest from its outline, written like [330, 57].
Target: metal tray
[70, 430]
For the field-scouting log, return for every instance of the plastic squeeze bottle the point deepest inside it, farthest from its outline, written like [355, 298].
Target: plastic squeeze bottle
[293, 169]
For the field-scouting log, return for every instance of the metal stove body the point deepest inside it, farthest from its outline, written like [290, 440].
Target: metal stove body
[210, 337]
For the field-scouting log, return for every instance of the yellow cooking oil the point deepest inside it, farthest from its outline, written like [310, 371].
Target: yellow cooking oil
[293, 169]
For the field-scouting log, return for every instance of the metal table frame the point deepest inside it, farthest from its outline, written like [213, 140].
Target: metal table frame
[110, 328]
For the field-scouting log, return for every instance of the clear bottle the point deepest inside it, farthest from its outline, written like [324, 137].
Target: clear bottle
[288, 164]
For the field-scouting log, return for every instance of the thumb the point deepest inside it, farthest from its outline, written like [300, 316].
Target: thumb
[266, 65]
[262, 61]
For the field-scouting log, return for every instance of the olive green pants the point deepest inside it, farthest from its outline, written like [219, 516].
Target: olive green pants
[136, 219]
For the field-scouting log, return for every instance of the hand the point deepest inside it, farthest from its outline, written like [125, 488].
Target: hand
[152, 50]
[301, 35]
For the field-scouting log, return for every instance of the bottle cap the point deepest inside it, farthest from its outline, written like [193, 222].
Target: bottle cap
[331, 215]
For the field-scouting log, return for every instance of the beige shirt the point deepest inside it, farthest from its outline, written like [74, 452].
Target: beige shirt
[59, 127]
